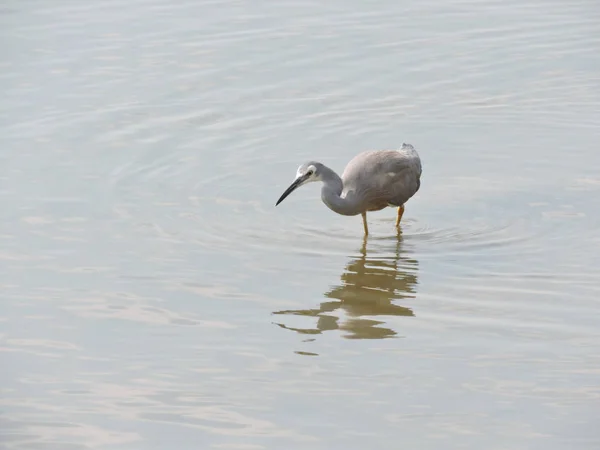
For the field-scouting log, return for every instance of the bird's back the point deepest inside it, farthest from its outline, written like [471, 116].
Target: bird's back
[380, 178]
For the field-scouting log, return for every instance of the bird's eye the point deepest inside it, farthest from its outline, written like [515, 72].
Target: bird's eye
[309, 173]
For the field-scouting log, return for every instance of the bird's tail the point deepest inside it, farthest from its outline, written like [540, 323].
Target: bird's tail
[408, 150]
[411, 154]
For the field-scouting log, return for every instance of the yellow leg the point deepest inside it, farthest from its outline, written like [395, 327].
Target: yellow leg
[399, 217]
[364, 216]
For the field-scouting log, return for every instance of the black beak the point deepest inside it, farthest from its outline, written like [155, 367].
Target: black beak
[295, 185]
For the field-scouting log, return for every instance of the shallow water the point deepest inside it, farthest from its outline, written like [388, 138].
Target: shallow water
[154, 297]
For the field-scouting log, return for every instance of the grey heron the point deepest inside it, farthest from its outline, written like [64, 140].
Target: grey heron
[372, 180]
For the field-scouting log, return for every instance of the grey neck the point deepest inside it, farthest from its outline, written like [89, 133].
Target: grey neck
[331, 193]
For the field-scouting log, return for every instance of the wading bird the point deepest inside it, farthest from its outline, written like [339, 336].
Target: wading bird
[371, 181]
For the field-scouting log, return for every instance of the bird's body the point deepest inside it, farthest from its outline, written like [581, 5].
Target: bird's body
[382, 178]
[372, 181]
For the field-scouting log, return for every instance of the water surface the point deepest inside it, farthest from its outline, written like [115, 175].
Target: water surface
[154, 297]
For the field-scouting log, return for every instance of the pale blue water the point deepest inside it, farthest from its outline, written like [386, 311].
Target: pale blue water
[153, 297]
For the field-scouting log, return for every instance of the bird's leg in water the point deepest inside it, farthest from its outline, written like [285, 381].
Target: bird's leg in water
[364, 216]
[399, 217]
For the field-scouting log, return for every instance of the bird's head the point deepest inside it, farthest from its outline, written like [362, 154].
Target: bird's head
[306, 173]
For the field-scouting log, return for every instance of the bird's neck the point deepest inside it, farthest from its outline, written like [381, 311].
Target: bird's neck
[331, 194]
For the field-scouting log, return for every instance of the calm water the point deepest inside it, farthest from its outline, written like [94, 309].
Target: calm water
[153, 297]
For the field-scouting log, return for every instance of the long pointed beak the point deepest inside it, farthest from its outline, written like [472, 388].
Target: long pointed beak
[295, 185]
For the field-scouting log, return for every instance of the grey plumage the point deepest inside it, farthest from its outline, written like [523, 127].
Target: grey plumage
[371, 181]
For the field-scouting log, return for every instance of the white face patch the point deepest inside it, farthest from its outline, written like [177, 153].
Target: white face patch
[309, 168]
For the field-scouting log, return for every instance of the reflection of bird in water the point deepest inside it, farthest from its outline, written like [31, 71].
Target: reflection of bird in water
[368, 288]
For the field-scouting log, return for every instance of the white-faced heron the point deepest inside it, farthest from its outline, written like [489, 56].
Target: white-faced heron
[372, 180]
